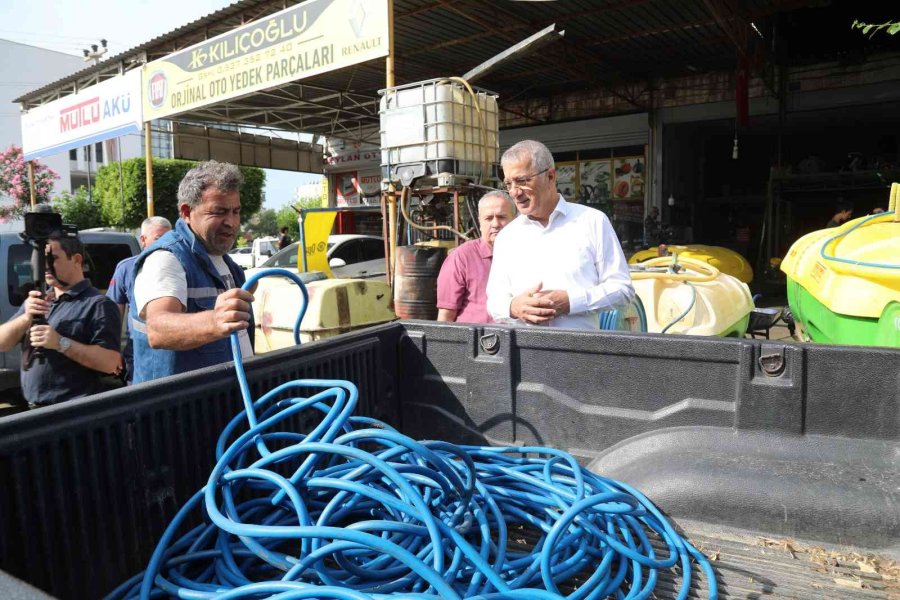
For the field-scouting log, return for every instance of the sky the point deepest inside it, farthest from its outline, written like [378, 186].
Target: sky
[69, 27]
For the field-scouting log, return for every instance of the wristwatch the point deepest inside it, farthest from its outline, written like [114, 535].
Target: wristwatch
[64, 344]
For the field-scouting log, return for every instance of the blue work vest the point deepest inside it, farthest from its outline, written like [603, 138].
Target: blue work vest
[203, 287]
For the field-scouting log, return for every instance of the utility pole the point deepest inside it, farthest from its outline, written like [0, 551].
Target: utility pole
[94, 54]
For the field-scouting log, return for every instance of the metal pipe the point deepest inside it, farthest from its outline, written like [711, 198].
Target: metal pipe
[392, 228]
[386, 238]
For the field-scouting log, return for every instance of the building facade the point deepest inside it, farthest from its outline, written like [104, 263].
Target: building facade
[26, 68]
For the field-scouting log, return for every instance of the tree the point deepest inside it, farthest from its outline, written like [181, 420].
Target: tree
[129, 209]
[263, 223]
[15, 184]
[78, 209]
[870, 29]
[312, 201]
[287, 217]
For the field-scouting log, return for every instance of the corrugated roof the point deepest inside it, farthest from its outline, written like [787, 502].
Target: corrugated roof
[607, 43]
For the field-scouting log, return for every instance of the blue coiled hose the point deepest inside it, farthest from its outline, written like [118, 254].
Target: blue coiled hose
[351, 509]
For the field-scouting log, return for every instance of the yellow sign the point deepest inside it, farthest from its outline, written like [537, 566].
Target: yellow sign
[298, 42]
[316, 228]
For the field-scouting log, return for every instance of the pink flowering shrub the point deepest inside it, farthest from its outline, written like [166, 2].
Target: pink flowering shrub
[14, 182]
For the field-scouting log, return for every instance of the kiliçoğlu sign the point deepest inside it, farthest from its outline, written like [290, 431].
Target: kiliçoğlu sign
[298, 42]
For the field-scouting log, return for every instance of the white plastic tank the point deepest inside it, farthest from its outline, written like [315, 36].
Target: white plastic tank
[442, 125]
[700, 300]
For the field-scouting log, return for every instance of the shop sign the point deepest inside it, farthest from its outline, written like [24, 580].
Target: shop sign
[354, 155]
[303, 40]
[100, 112]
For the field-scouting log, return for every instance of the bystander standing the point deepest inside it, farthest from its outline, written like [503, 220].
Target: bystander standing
[65, 356]
[557, 264]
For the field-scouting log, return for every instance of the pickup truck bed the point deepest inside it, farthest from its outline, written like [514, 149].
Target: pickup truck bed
[781, 462]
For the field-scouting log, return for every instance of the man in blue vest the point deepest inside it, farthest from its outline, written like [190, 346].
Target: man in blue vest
[186, 299]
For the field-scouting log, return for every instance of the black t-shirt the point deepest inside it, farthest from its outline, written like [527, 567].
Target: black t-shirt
[82, 314]
[284, 241]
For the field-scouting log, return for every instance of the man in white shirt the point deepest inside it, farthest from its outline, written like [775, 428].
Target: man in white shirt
[557, 264]
[187, 298]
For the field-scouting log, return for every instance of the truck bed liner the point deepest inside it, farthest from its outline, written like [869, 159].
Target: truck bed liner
[750, 565]
[87, 487]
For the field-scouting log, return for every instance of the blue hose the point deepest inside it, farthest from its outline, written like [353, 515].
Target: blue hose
[351, 509]
[848, 261]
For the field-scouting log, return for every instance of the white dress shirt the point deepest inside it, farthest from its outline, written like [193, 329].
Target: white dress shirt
[577, 251]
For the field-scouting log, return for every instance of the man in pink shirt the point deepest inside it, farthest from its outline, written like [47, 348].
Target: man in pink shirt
[462, 282]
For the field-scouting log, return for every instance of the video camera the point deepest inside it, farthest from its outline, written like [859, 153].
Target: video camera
[41, 226]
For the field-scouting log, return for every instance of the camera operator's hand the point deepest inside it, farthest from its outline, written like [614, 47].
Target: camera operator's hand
[36, 306]
[44, 336]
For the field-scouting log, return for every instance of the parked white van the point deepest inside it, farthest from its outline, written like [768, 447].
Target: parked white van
[256, 253]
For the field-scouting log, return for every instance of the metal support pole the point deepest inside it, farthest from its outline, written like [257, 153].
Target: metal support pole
[391, 194]
[148, 157]
[456, 217]
[389, 61]
[87, 157]
[31, 183]
[121, 180]
[302, 221]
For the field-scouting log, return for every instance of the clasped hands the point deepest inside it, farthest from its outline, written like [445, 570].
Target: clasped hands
[538, 306]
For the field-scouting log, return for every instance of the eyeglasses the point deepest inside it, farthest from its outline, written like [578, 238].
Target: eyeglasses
[521, 182]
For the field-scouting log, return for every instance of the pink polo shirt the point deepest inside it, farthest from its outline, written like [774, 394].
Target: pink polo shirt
[462, 282]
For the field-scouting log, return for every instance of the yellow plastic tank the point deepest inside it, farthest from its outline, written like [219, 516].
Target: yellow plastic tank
[849, 285]
[335, 306]
[843, 283]
[724, 259]
[700, 300]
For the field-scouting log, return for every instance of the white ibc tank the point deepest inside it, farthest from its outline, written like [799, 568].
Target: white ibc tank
[441, 124]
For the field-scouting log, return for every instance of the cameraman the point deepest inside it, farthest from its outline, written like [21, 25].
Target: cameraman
[80, 340]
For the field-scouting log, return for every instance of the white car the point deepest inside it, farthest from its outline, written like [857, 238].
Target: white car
[344, 251]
